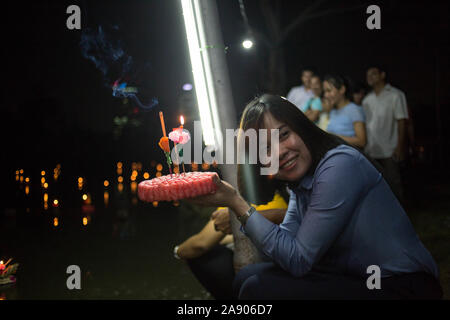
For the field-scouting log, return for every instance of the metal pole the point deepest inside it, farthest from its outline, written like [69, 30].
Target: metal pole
[244, 252]
[438, 111]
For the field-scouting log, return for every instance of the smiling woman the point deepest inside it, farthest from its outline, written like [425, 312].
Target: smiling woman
[304, 154]
[342, 220]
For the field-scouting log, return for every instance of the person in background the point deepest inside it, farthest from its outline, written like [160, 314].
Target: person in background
[313, 106]
[386, 115]
[301, 94]
[324, 117]
[359, 91]
[346, 118]
[209, 253]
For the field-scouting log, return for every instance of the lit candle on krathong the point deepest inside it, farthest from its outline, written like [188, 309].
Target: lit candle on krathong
[179, 136]
[164, 142]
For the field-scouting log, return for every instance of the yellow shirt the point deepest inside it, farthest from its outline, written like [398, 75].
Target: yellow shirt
[276, 203]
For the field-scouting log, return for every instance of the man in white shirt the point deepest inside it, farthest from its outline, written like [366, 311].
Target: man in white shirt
[301, 94]
[386, 115]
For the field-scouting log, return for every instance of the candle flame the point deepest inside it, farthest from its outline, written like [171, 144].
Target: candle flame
[182, 120]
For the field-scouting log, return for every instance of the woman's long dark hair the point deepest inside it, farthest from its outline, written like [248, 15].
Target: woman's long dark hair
[260, 189]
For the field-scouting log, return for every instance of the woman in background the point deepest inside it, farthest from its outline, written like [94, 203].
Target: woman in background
[347, 120]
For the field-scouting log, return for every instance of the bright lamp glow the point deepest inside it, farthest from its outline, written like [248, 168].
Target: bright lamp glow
[187, 87]
[247, 44]
[201, 69]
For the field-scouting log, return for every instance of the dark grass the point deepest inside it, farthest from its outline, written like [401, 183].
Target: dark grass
[431, 219]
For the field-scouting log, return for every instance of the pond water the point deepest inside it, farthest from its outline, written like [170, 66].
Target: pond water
[122, 245]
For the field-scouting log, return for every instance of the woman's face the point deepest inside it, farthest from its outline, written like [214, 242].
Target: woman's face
[333, 94]
[294, 156]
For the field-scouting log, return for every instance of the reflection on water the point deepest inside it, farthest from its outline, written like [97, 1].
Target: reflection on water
[122, 245]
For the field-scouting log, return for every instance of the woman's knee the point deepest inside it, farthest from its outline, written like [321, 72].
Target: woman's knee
[242, 276]
[252, 289]
[247, 272]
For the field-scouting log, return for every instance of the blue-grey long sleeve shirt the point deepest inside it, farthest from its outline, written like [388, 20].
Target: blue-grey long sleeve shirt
[342, 218]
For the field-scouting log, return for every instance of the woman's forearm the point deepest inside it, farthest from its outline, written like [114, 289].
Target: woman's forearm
[355, 141]
[201, 242]
[191, 248]
[274, 215]
[239, 206]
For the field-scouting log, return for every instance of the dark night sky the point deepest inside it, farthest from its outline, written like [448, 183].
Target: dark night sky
[43, 65]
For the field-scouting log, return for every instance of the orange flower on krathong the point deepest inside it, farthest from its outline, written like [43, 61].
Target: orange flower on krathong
[164, 144]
